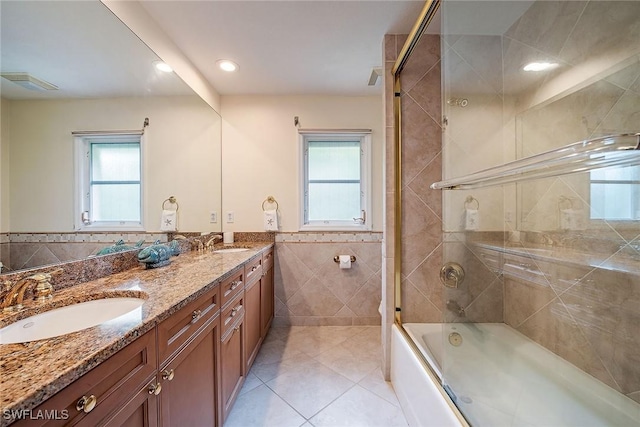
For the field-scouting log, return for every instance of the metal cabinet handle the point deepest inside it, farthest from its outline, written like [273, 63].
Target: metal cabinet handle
[196, 315]
[155, 388]
[86, 404]
[235, 310]
[254, 268]
[168, 374]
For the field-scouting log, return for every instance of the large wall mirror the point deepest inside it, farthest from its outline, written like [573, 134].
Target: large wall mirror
[106, 80]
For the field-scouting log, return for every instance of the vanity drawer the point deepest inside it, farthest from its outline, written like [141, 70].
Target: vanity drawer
[105, 388]
[176, 330]
[253, 270]
[267, 259]
[231, 314]
[231, 286]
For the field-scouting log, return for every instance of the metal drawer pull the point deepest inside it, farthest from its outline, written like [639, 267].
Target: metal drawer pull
[254, 268]
[195, 316]
[167, 374]
[236, 283]
[86, 404]
[155, 389]
[235, 310]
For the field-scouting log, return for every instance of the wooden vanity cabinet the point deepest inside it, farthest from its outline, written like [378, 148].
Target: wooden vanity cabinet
[175, 331]
[189, 348]
[186, 371]
[108, 388]
[267, 293]
[252, 321]
[140, 411]
[232, 353]
[190, 383]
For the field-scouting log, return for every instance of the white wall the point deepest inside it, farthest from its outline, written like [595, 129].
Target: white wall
[4, 166]
[261, 153]
[181, 158]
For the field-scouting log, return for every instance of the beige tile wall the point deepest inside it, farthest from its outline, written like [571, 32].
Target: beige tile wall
[28, 250]
[312, 289]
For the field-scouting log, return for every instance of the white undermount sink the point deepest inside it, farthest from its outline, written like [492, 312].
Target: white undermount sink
[230, 250]
[71, 318]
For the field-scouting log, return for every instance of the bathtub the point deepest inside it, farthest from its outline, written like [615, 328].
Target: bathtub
[498, 377]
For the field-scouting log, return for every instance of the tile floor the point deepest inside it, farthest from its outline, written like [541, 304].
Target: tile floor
[322, 376]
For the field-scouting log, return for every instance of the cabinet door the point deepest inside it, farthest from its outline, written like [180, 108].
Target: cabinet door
[190, 382]
[104, 390]
[252, 322]
[231, 365]
[140, 411]
[267, 300]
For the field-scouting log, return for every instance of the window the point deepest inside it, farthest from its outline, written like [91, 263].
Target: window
[108, 182]
[615, 193]
[335, 183]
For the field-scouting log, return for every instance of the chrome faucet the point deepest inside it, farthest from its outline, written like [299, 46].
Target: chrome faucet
[209, 243]
[15, 296]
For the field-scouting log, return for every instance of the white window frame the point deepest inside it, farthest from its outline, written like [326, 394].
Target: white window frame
[365, 180]
[82, 201]
[634, 194]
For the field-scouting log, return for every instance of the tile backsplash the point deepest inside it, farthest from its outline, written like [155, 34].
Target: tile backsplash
[29, 250]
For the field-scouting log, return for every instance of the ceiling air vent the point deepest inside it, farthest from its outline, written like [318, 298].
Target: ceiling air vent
[28, 81]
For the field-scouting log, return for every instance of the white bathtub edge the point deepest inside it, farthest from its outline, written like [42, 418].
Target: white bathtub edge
[421, 401]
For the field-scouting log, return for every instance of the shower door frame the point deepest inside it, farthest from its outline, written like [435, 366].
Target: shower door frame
[424, 19]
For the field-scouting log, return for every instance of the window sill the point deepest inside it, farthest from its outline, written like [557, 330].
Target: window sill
[111, 228]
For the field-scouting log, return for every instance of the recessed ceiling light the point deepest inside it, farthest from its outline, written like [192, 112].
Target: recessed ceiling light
[539, 66]
[163, 66]
[227, 65]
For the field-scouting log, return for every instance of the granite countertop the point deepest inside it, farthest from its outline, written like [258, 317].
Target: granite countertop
[620, 262]
[32, 372]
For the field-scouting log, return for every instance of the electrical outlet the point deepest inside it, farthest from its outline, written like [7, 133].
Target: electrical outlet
[229, 217]
[213, 217]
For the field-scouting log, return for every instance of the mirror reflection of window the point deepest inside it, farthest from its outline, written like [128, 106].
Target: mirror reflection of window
[109, 181]
[615, 193]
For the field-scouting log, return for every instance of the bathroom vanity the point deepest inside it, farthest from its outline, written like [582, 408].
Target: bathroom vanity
[182, 361]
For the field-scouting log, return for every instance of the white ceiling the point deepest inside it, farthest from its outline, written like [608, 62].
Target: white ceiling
[82, 48]
[282, 47]
[286, 47]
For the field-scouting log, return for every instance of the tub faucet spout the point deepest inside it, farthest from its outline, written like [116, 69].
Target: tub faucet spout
[456, 308]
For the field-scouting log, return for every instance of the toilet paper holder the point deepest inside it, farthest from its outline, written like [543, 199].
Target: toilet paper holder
[337, 258]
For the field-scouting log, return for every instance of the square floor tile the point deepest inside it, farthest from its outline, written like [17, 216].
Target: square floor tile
[375, 383]
[262, 407]
[359, 407]
[311, 389]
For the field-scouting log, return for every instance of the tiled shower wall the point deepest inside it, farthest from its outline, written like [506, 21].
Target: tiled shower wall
[311, 288]
[422, 164]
